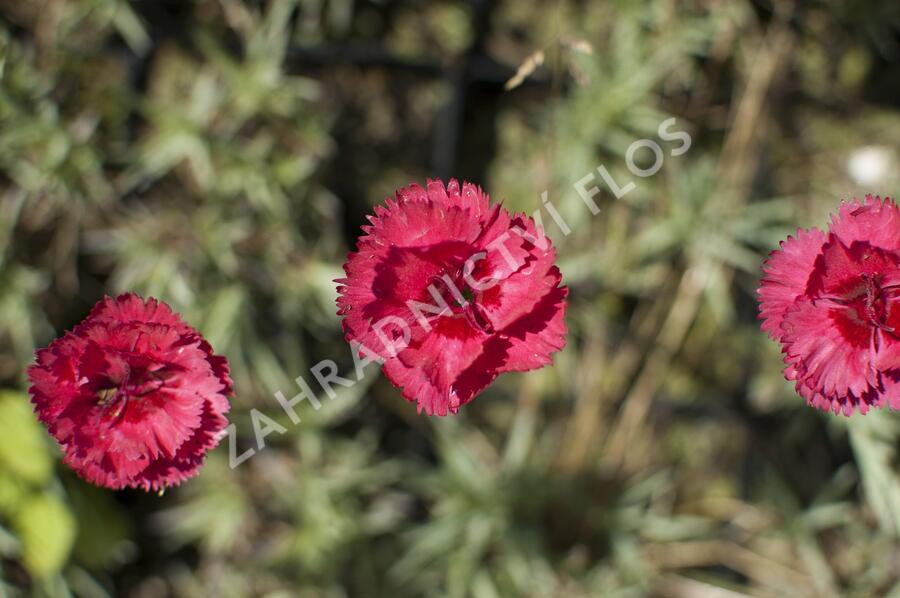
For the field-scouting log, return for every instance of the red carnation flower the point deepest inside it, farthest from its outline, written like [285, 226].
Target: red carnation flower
[833, 302]
[449, 292]
[134, 396]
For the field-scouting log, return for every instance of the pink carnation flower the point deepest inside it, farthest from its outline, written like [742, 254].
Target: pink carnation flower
[833, 302]
[134, 396]
[450, 292]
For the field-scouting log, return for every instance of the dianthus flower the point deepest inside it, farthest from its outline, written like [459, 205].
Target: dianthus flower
[833, 302]
[134, 396]
[449, 292]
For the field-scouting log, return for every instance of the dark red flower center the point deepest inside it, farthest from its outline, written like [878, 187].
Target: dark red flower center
[868, 302]
[116, 385]
[868, 306]
[463, 300]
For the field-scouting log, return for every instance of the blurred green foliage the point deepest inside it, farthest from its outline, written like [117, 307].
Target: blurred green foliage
[42, 523]
[221, 155]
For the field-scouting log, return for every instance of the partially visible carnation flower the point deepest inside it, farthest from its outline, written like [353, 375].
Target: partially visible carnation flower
[833, 302]
[450, 292]
[134, 396]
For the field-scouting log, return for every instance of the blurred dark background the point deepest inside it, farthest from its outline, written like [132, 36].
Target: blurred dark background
[221, 155]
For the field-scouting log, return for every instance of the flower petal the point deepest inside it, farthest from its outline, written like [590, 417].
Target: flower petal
[873, 221]
[827, 359]
[787, 273]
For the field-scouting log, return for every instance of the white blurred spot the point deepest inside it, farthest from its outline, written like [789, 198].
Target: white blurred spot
[870, 165]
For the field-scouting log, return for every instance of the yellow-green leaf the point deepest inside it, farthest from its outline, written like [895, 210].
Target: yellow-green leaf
[46, 529]
[24, 450]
